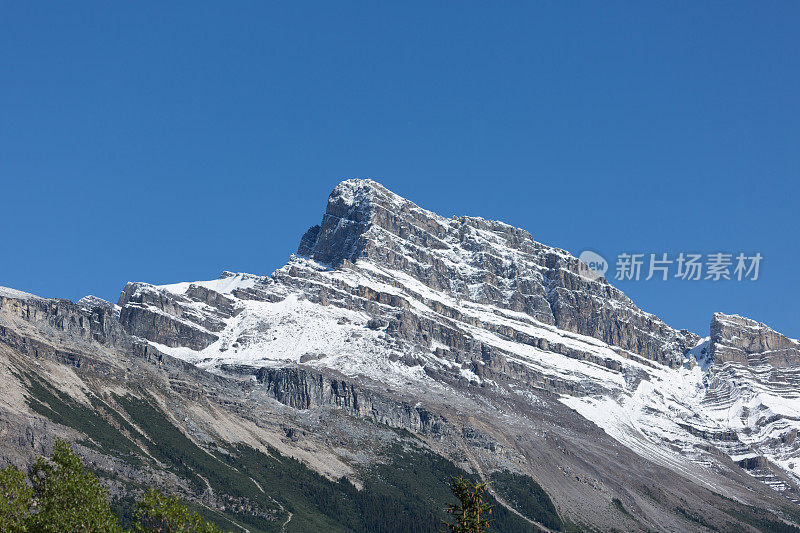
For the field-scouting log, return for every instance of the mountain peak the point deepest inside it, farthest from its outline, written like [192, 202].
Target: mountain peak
[482, 261]
[354, 190]
[354, 206]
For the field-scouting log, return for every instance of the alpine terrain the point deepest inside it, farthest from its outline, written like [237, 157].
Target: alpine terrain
[395, 349]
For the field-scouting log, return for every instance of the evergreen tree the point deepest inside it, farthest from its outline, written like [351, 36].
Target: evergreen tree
[467, 513]
[68, 497]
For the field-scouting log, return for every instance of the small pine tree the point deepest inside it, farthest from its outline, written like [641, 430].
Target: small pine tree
[467, 513]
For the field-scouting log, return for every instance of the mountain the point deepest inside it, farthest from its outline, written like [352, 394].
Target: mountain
[398, 347]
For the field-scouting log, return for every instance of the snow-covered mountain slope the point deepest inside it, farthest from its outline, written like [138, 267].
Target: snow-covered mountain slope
[753, 389]
[456, 313]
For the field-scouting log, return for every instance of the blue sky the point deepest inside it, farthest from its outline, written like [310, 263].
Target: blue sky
[169, 142]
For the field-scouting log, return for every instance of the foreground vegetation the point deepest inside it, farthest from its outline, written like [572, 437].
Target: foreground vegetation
[59, 494]
[470, 514]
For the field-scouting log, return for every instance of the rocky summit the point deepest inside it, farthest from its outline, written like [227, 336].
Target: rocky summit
[396, 337]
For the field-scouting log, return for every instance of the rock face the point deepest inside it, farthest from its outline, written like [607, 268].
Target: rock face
[56, 316]
[500, 352]
[174, 320]
[303, 389]
[741, 340]
[755, 380]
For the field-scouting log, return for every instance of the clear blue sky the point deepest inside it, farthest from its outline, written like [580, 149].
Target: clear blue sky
[167, 142]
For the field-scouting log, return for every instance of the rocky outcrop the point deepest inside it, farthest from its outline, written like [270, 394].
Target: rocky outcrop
[67, 333]
[171, 320]
[754, 378]
[303, 389]
[745, 341]
[61, 315]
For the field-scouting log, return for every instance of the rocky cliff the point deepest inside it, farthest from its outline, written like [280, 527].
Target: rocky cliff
[740, 340]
